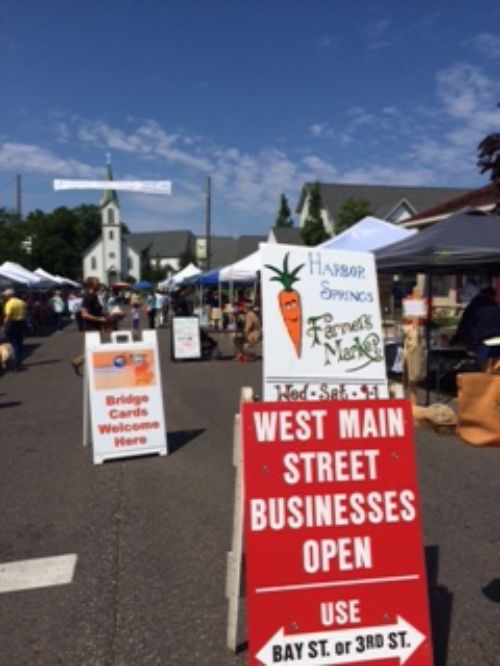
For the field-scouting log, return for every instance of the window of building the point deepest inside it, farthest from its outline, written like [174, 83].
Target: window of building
[111, 255]
[93, 263]
[111, 235]
[111, 216]
[129, 263]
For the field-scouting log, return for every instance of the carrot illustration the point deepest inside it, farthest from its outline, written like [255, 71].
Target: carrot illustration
[289, 302]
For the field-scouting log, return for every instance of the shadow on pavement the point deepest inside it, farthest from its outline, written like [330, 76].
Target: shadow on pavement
[441, 603]
[12, 403]
[492, 591]
[29, 348]
[47, 362]
[179, 438]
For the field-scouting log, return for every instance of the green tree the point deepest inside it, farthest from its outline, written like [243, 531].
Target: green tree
[352, 210]
[313, 232]
[14, 238]
[58, 239]
[283, 218]
[489, 160]
[153, 271]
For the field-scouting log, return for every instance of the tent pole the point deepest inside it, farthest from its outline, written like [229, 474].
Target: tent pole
[428, 325]
[219, 290]
[231, 300]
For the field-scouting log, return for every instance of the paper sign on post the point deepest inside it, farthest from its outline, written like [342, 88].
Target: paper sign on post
[334, 555]
[322, 327]
[126, 403]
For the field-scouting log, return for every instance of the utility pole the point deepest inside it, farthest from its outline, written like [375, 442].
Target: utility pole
[18, 196]
[208, 230]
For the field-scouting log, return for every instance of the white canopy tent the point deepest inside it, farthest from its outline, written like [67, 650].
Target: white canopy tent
[23, 276]
[69, 282]
[57, 279]
[8, 280]
[45, 275]
[244, 270]
[187, 272]
[367, 235]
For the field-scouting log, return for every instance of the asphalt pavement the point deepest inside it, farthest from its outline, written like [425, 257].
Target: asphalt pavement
[151, 534]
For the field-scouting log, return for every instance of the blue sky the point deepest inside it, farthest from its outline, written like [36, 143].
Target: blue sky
[261, 95]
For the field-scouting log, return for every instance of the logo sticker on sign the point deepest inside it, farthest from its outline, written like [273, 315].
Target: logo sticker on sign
[335, 566]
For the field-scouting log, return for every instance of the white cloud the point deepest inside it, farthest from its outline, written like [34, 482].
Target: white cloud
[318, 169]
[468, 113]
[487, 44]
[34, 159]
[380, 34]
[326, 42]
[148, 139]
[392, 144]
[387, 175]
[61, 132]
[320, 130]
[464, 90]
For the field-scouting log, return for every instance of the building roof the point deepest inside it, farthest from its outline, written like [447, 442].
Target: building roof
[483, 198]
[225, 250]
[383, 198]
[222, 251]
[162, 243]
[287, 235]
[248, 244]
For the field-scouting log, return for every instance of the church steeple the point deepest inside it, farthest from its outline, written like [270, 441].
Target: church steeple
[109, 196]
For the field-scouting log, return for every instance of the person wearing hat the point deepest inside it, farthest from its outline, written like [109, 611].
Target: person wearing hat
[14, 325]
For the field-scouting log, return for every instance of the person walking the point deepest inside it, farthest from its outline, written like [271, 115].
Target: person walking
[57, 307]
[14, 325]
[92, 315]
[136, 317]
[151, 309]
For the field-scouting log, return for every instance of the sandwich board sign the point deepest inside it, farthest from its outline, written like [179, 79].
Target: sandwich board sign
[186, 342]
[334, 556]
[124, 389]
[322, 327]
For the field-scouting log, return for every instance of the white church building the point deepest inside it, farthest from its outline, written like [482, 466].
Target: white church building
[111, 258]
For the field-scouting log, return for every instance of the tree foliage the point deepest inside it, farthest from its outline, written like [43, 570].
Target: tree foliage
[153, 271]
[13, 237]
[489, 156]
[54, 241]
[284, 218]
[352, 210]
[489, 160]
[313, 232]
[59, 238]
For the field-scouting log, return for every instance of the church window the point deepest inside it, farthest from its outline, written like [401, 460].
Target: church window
[111, 255]
[93, 263]
[111, 216]
[130, 263]
[111, 235]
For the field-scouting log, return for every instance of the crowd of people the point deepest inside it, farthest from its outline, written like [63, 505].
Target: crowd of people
[98, 308]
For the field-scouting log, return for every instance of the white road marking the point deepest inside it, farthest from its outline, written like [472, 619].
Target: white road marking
[39, 572]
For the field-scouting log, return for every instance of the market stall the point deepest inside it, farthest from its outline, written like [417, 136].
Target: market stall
[464, 243]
